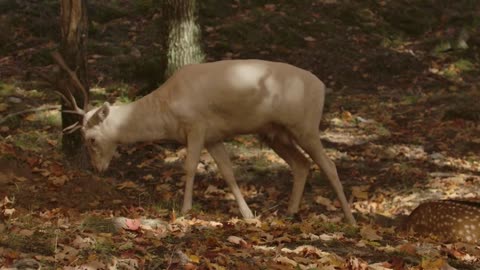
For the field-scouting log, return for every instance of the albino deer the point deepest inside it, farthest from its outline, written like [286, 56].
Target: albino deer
[202, 104]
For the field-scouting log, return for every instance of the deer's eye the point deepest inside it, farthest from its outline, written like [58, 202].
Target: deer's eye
[91, 141]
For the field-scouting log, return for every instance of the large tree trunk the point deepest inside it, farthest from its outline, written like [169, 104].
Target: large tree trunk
[74, 29]
[183, 42]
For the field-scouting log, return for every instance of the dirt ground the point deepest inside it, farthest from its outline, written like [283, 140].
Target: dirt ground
[401, 124]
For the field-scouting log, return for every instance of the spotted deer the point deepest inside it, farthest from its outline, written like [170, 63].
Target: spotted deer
[203, 104]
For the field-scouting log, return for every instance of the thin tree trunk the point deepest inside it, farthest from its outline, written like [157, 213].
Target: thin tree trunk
[74, 29]
[183, 42]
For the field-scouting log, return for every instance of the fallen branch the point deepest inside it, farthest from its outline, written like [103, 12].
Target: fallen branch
[38, 109]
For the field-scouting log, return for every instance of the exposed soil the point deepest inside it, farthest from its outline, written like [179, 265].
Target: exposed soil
[402, 125]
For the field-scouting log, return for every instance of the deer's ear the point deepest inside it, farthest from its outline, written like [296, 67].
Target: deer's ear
[103, 111]
[100, 115]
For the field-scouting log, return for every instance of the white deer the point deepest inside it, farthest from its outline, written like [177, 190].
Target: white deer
[203, 104]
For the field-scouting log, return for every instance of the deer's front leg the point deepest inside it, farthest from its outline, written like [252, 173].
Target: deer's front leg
[220, 155]
[195, 141]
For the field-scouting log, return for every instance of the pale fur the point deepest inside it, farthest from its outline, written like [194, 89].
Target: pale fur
[202, 104]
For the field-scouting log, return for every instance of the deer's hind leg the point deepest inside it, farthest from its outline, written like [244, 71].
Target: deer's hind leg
[283, 145]
[310, 142]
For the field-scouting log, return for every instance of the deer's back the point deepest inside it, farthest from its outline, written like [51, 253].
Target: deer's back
[248, 92]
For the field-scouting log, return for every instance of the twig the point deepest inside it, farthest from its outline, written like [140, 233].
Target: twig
[38, 109]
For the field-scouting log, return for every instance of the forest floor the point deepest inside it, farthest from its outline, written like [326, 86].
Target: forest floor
[401, 124]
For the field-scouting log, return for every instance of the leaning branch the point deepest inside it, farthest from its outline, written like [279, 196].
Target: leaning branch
[39, 109]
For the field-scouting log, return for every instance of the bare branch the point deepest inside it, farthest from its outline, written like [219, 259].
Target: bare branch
[39, 109]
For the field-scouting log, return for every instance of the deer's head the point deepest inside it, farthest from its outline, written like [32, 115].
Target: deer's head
[94, 125]
[94, 128]
[96, 134]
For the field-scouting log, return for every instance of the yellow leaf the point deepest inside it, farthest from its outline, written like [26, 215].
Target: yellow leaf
[434, 264]
[194, 259]
[30, 117]
[360, 192]
[347, 116]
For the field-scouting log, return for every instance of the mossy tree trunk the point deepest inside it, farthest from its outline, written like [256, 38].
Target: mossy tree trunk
[183, 42]
[74, 29]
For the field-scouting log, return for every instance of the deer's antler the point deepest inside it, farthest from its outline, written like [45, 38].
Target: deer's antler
[65, 93]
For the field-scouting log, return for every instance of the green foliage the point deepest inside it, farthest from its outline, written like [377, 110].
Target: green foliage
[30, 141]
[120, 90]
[104, 246]
[454, 70]
[40, 241]
[6, 89]
[464, 65]
[98, 224]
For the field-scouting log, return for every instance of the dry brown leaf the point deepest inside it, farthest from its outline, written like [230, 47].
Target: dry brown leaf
[369, 233]
[285, 260]
[435, 264]
[58, 180]
[238, 241]
[127, 184]
[309, 39]
[3, 107]
[82, 243]
[8, 212]
[325, 202]
[25, 232]
[360, 192]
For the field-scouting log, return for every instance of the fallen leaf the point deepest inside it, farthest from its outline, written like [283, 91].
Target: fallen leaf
[285, 260]
[58, 180]
[325, 202]
[127, 184]
[194, 258]
[369, 233]
[25, 232]
[20, 178]
[148, 177]
[8, 212]
[67, 254]
[270, 7]
[82, 243]
[3, 107]
[440, 264]
[360, 192]
[132, 224]
[238, 241]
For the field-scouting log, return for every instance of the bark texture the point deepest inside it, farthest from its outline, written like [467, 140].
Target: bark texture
[183, 42]
[74, 29]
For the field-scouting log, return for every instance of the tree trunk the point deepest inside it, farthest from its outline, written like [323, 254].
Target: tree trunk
[183, 42]
[74, 29]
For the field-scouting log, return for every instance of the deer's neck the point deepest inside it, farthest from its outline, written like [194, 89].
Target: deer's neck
[147, 119]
